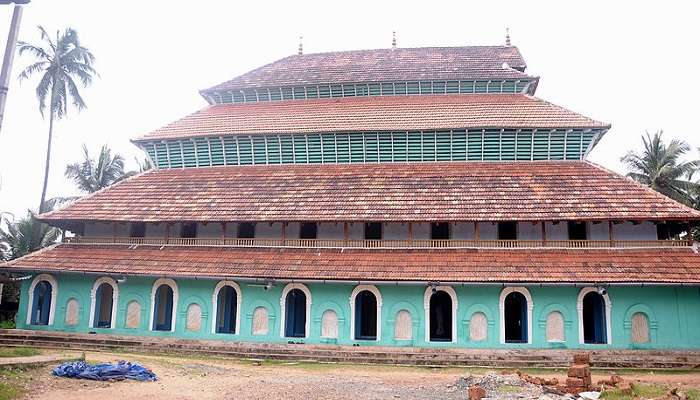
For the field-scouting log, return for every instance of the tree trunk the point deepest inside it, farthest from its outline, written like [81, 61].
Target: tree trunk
[48, 162]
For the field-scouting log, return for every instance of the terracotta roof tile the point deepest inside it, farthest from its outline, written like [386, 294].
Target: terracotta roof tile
[381, 113]
[673, 265]
[382, 65]
[467, 191]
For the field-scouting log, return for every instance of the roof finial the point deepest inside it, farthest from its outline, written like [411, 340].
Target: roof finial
[301, 45]
[507, 36]
[393, 39]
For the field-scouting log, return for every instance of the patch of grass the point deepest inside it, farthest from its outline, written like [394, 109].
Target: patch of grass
[509, 389]
[12, 383]
[693, 394]
[639, 390]
[648, 391]
[18, 352]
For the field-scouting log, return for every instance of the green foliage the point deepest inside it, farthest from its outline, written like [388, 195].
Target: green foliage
[91, 175]
[7, 324]
[18, 352]
[23, 236]
[59, 63]
[659, 166]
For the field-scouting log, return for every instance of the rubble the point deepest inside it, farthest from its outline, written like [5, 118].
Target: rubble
[509, 386]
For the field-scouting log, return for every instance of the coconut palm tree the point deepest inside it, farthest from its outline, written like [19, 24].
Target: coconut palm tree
[660, 167]
[91, 175]
[17, 237]
[59, 62]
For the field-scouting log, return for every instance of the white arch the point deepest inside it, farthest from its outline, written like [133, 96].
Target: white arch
[283, 308]
[377, 294]
[54, 295]
[608, 312]
[115, 298]
[502, 310]
[176, 295]
[215, 304]
[426, 306]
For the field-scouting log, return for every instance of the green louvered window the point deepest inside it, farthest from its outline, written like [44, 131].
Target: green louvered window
[217, 152]
[472, 145]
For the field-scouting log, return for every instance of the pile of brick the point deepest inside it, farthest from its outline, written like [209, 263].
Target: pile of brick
[578, 377]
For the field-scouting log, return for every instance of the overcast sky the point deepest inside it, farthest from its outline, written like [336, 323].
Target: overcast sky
[632, 64]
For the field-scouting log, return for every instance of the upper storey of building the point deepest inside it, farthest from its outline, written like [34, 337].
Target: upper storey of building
[389, 105]
[380, 72]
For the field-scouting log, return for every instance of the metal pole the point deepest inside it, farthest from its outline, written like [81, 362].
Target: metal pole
[9, 56]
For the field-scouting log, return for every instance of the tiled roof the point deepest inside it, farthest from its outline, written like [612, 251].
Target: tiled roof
[482, 265]
[466, 191]
[380, 113]
[427, 63]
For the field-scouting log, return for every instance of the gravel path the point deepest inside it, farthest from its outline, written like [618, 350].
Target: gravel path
[188, 378]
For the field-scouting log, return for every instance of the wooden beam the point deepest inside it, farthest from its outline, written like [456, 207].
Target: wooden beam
[410, 232]
[284, 232]
[114, 230]
[167, 231]
[476, 231]
[223, 232]
[611, 236]
[346, 234]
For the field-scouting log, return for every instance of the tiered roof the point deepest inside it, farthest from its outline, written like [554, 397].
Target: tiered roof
[384, 65]
[376, 114]
[672, 265]
[399, 192]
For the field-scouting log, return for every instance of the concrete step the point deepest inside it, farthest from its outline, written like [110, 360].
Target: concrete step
[351, 354]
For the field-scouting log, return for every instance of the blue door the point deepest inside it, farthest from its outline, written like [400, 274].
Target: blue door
[163, 309]
[41, 307]
[295, 314]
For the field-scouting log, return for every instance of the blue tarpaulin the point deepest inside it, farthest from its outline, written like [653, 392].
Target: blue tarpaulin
[105, 372]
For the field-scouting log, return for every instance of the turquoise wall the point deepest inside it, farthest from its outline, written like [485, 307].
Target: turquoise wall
[673, 312]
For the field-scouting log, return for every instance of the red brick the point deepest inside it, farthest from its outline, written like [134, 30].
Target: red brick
[582, 358]
[579, 371]
[476, 393]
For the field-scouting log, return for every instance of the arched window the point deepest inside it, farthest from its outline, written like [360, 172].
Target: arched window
[227, 302]
[42, 300]
[594, 316]
[366, 307]
[163, 305]
[440, 303]
[295, 304]
[103, 303]
[516, 315]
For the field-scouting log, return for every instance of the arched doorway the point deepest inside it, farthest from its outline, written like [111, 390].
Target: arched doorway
[163, 309]
[594, 323]
[104, 297]
[226, 310]
[515, 318]
[365, 316]
[295, 314]
[41, 305]
[440, 317]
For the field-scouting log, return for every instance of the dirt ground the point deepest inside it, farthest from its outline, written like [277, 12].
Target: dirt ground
[214, 378]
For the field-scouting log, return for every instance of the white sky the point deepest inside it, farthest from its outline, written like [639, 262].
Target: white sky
[632, 64]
